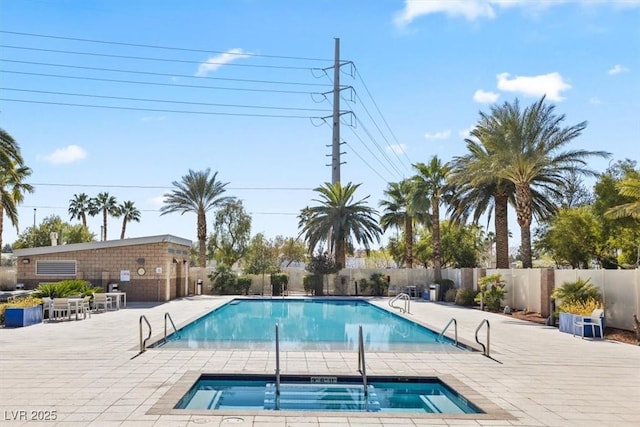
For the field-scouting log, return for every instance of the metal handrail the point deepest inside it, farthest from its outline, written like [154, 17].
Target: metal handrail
[143, 343]
[485, 350]
[407, 302]
[167, 315]
[361, 361]
[277, 361]
[455, 329]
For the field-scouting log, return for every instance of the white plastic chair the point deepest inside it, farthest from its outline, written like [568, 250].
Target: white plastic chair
[60, 308]
[46, 307]
[594, 322]
[102, 300]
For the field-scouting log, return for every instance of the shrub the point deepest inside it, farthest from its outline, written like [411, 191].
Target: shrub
[445, 285]
[244, 284]
[466, 297]
[311, 282]
[491, 291]
[65, 288]
[582, 308]
[377, 284]
[450, 295]
[579, 291]
[279, 283]
[224, 281]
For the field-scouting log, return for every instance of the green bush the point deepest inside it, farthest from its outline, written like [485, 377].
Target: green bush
[445, 285]
[466, 297]
[244, 284]
[279, 282]
[450, 295]
[65, 289]
[311, 282]
[491, 291]
[579, 291]
[225, 281]
[377, 284]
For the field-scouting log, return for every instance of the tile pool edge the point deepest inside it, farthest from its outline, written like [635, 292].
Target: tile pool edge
[167, 402]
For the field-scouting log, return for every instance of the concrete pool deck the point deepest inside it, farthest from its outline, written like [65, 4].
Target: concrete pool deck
[86, 373]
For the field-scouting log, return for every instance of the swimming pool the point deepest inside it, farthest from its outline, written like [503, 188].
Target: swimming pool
[306, 324]
[335, 394]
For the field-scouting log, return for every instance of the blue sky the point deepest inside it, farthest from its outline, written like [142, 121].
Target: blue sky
[422, 71]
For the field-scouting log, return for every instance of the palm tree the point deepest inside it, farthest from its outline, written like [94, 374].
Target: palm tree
[129, 213]
[429, 191]
[339, 220]
[628, 187]
[400, 213]
[79, 206]
[107, 204]
[10, 156]
[197, 193]
[529, 156]
[12, 190]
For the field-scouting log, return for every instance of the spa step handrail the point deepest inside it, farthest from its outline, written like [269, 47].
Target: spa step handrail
[407, 302]
[168, 316]
[455, 329]
[485, 349]
[361, 361]
[143, 343]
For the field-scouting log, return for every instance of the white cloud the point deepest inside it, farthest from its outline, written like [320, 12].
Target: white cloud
[466, 133]
[617, 69]
[69, 154]
[551, 84]
[595, 101]
[476, 9]
[438, 135]
[215, 62]
[485, 97]
[157, 202]
[397, 148]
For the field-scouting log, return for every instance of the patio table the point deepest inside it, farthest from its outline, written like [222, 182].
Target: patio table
[117, 296]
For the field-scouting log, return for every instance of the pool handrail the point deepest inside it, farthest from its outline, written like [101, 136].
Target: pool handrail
[407, 302]
[485, 349]
[277, 363]
[361, 361]
[455, 329]
[143, 343]
[167, 315]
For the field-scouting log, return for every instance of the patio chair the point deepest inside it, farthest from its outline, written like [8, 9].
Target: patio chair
[60, 308]
[595, 322]
[46, 307]
[86, 307]
[102, 300]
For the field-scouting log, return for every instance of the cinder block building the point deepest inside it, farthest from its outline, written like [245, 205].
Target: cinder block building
[154, 268]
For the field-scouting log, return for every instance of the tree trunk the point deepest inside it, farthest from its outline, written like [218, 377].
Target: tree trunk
[340, 254]
[502, 230]
[408, 240]
[437, 261]
[124, 228]
[202, 239]
[104, 225]
[524, 214]
[1, 224]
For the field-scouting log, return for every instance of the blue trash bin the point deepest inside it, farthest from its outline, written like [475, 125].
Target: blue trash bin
[425, 295]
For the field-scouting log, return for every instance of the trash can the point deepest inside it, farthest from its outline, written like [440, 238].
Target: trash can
[199, 287]
[425, 295]
[434, 291]
[112, 287]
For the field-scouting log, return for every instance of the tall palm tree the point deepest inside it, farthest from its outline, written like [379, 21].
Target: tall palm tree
[338, 220]
[400, 213]
[79, 207]
[529, 155]
[197, 193]
[12, 190]
[429, 191]
[129, 213]
[10, 156]
[107, 205]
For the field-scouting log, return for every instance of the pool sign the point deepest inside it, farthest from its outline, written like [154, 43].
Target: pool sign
[125, 275]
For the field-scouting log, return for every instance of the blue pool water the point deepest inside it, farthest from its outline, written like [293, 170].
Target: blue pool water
[306, 324]
[297, 393]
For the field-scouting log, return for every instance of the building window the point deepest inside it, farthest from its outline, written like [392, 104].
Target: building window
[55, 268]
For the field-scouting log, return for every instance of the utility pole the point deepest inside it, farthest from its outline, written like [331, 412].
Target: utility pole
[335, 150]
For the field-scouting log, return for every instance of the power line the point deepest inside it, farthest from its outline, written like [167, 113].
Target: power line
[371, 152]
[358, 121]
[156, 210]
[125, 98]
[150, 73]
[364, 161]
[48, 36]
[156, 187]
[145, 58]
[157, 84]
[155, 110]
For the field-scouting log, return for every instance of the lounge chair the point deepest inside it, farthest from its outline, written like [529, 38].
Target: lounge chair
[594, 322]
[46, 307]
[102, 300]
[86, 307]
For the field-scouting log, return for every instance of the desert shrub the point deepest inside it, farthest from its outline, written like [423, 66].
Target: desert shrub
[64, 289]
[224, 281]
[466, 297]
[579, 291]
[450, 295]
[491, 291]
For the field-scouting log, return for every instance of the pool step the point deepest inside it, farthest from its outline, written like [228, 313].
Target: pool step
[207, 399]
[440, 404]
[296, 396]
